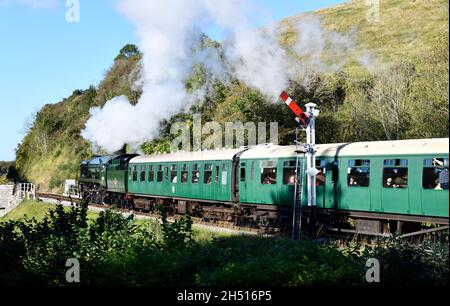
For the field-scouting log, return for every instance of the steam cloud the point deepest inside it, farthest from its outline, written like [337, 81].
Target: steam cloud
[169, 34]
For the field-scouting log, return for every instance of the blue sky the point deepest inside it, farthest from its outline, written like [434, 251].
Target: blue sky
[43, 58]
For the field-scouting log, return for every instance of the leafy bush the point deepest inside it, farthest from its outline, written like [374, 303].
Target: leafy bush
[405, 263]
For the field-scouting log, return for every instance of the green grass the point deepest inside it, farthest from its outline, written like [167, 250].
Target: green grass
[36, 210]
[204, 235]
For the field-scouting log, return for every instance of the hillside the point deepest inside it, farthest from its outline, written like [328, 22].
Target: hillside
[407, 29]
[410, 42]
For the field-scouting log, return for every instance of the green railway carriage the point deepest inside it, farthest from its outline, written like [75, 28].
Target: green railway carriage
[395, 180]
[199, 176]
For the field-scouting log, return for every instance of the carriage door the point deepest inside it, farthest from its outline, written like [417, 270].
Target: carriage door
[435, 187]
[356, 191]
[216, 181]
[320, 183]
[242, 182]
[395, 193]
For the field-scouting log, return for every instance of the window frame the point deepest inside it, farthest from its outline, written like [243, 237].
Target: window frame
[268, 165]
[289, 165]
[173, 169]
[223, 173]
[443, 167]
[364, 164]
[160, 174]
[242, 172]
[184, 170]
[195, 169]
[321, 165]
[134, 173]
[216, 174]
[151, 174]
[207, 173]
[143, 174]
[389, 165]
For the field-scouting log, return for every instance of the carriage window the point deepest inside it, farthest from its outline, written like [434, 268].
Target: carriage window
[216, 176]
[184, 174]
[395, 173]
[358, 173]
[159, 174]
[151, 174]
[242, 172]
[208, 174]
[289, 172]
[195, 173]
[135, 173]
[252, 171]
[335, 172]
[320, 177]
[224, 174]
[268, 172]
[123, 163]
[166, 172]
[435, 174]
[143, 171]
[173, 174]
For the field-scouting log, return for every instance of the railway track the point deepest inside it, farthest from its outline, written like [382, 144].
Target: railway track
[195, 220]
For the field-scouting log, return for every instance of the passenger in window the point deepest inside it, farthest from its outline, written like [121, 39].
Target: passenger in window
[184, 177]
[291, 180]
[268, 180]
[393, 183]
[438, 185]
[320, 179]
[352, 181]
[401, 181]
[196, 177]
[388, 182]
[175, 179]
[437, 162]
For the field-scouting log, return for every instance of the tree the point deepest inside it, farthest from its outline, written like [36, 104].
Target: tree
[128, 51]
[391, 93]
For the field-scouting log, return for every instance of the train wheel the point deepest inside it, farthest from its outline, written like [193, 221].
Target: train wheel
[263, 223]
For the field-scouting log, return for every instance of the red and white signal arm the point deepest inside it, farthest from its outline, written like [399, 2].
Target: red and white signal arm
[302, 117]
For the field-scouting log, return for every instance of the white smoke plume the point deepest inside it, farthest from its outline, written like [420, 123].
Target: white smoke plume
[169, 32]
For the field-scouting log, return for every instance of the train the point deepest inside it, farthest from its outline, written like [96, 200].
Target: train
[378, 187]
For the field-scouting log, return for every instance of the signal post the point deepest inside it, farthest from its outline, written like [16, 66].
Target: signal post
[307, 121]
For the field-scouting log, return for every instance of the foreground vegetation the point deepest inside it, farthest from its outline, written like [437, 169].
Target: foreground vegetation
[114, 250]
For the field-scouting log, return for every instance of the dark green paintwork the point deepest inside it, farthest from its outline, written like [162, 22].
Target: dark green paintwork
[117, 179]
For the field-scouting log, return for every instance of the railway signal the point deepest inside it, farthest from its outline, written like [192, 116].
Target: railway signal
[302, 117]
[307, 119]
